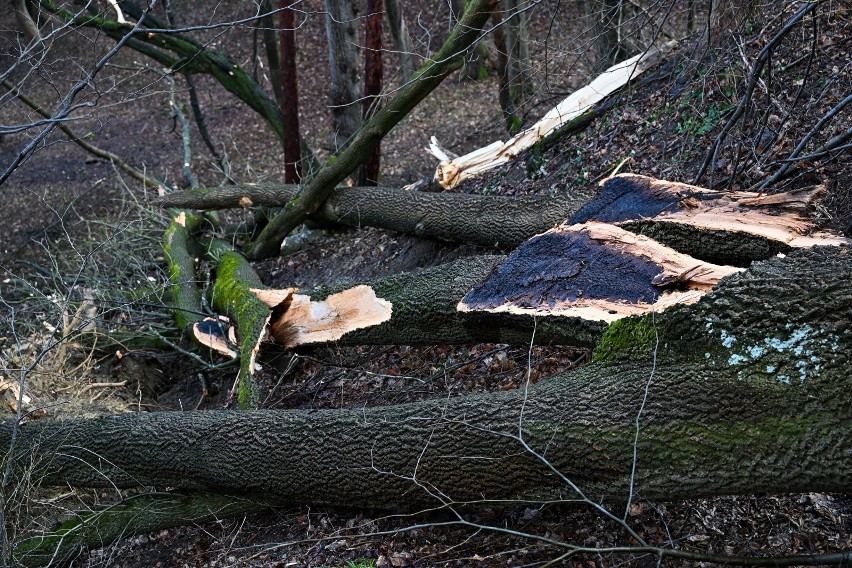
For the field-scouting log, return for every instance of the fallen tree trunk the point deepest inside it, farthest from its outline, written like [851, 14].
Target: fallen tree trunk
[493, 221]
[745, 391]
[725, 228]
[416, 308]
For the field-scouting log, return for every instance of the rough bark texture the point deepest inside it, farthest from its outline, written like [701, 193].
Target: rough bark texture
[491, 221]
[339, 166]
[748, 392]
[343, 62]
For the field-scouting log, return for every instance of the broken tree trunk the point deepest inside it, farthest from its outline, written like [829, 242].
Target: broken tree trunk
[694, 220]
[451, 171]
[719, 227]
[745, 391]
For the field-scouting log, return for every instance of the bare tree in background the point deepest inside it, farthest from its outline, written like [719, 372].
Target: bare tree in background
[373, 70]
[401, 38]
[289, 92]
[343, 60]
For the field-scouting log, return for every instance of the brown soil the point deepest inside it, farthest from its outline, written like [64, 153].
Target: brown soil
[67, 214]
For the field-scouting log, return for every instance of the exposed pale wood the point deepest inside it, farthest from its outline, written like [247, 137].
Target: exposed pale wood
[782, 217]
[218, 334]
[451, 172]
[518, 277]
[305, 321]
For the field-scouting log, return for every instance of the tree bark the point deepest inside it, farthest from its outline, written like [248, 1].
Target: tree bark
[425, 312]
[373, 69]
[343, 60]
[401, 39]
[725, 228]
[289, 93]
[491, 221]
[504, 96]
[747, 391]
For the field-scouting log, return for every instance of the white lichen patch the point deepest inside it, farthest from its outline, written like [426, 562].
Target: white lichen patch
[797, 349]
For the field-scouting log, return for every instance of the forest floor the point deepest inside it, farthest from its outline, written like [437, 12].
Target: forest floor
[73, 224]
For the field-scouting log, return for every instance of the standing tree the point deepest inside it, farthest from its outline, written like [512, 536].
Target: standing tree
[343, 59]
[289, 92]
[373, 69]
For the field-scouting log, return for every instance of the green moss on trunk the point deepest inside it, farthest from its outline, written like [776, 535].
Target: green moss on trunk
[232, 295]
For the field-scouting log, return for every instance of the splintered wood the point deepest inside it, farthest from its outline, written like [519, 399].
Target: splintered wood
[782, 217]
[298, 320]
[592, 268]
[594, 271]
[452, 170]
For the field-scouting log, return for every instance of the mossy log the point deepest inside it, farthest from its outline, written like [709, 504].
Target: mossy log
[492, 221]
[136, 514]
[234, 296]
[178, 248]
[746, 391]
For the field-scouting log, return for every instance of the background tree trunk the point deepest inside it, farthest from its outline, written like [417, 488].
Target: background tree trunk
[343, 65]
[607, 18]
[401, 39]
[289, 93]
[517, 48]
[504, 94]
[373, 69]
[747, 391]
